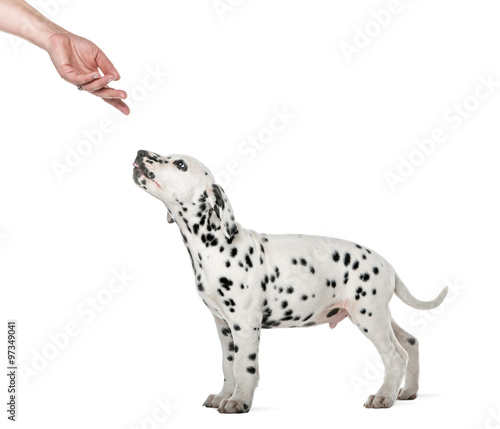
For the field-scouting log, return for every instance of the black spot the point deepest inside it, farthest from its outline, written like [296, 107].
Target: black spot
[357, 297]
[263, 286]
[251, 369]
[347, 259]
[374, 291]
[336, 257]
[359, 289]
[358, 246]
[307, 317]
[375, 270]
[248, 261]
[228, 264]
[363, 256]
[365, 277]
[234, 252]
[363, 293]
[284, 304]
[369, 314]
[221, 249]
[312, 270]
[237, 327]
[355, 265]
[411, 341]
[304, 297]
[363, 311]
[289, 289]
[368, 250]
[346, 277]
[226, 331]
[364, 329]
[200, 287]
[253, 356]
[230, 358]
[294, 261]
[225, 282]
[332, 312]
[309, 324]
[303, 261]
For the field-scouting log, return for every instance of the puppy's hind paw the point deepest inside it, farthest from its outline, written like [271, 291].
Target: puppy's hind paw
[213, 400]
[377, 401]
[407, 393]
[232, 406]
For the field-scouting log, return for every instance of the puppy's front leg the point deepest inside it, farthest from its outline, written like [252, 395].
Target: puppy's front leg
[226, 338]
[244, 348]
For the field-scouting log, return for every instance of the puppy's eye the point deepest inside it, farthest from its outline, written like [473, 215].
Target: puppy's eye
[181, 165]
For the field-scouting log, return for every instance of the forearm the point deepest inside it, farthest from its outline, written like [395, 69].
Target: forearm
[20, 19]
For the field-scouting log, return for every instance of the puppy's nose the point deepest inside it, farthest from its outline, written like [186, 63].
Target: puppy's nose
[142, 153]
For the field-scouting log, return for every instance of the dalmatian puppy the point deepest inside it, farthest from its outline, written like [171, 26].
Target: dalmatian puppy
[251, 281]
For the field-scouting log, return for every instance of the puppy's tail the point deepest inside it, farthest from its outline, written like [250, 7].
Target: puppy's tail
[404, 295]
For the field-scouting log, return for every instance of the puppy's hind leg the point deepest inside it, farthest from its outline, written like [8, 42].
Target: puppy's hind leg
[410, 344]
[375, 324]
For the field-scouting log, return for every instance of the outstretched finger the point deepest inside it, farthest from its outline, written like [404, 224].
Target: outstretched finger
[118, 104]
[110, 93]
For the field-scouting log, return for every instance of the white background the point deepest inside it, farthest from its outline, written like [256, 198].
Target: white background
[62, 240]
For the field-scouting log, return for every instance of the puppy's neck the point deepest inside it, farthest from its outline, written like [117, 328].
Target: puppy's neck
[199, 226]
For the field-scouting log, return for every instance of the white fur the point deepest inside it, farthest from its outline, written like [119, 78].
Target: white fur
[251, 281]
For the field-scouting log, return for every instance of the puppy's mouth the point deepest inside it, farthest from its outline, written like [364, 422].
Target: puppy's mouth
[141, 171]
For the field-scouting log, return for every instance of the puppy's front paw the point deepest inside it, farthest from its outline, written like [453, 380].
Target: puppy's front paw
[213, 401]
[378, 401]
[231, 406]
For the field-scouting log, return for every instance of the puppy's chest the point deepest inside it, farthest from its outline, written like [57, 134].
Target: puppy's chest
[229, 276]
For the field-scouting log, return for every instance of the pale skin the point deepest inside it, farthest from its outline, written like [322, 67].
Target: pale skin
[77, 60]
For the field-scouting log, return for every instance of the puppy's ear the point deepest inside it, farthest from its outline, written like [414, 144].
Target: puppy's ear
[170, 219]
[217, 200]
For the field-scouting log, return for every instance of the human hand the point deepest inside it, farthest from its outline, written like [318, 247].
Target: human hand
[78, 61]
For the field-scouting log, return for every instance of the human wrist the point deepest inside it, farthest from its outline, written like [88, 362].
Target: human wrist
[45, 30]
